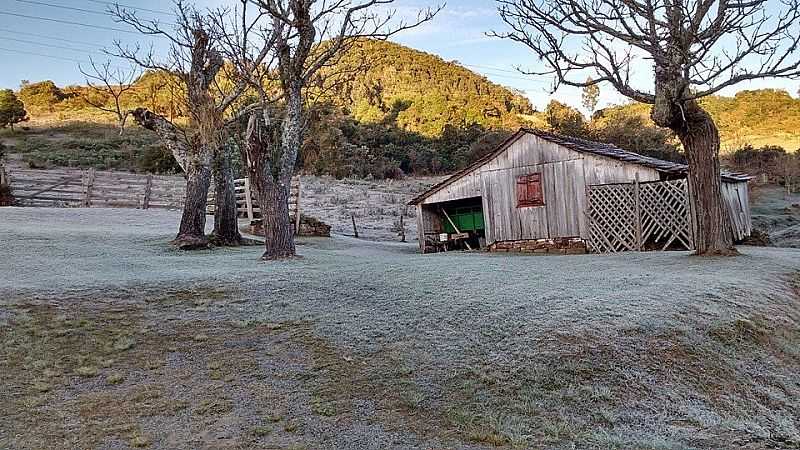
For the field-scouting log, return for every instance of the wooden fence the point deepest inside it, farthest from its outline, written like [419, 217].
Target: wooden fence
[75, 188]
[638, 216]
[247, 203]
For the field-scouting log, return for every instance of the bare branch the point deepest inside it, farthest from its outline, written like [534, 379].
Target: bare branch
[711, 44]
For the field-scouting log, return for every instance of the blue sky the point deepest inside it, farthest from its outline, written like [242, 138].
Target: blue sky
[49, 50]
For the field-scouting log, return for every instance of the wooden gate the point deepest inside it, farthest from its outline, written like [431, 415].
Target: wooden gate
[638, 216]
[247, 204]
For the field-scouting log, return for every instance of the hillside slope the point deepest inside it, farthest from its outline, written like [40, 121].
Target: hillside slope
[422, 92]
[759, 117]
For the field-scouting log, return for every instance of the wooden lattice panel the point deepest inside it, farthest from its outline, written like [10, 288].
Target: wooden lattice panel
[628, 217]
[612, 218]
[665, 213]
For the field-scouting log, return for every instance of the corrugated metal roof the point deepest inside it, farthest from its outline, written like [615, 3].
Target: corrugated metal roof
[583, 146]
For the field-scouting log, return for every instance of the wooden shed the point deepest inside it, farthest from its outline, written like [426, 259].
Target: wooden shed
[540, 191]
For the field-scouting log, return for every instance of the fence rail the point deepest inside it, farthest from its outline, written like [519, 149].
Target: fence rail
[247, 203]
[76, 188]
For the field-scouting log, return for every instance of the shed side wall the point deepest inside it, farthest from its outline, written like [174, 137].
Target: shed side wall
[735, 197]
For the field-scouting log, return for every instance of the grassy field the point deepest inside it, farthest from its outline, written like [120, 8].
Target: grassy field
[114, 340]
[45, 144]
[778, 214]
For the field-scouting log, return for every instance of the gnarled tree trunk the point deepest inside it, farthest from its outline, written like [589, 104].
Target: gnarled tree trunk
[226, 219]
[273, 198]
[700, 138]
[191, 234]
[711, 225]
[272, 191]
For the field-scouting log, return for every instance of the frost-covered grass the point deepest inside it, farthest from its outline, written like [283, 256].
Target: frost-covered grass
[114, 340]
[376, 204]
[778, 214]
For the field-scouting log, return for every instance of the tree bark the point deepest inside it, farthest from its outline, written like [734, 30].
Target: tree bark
[271, 191]
[170, 136]
[273, 199]
[226, 218]
[191, 235]
[699, 135]
[711, 225]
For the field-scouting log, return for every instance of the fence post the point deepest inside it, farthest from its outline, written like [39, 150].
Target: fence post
[148, 191]
[355, 228]
[248, 199]
[637, 203]
[297, 207]
[690, 209]
[88, 185]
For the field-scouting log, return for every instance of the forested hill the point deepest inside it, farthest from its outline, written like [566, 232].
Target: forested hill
[758, 118]
[404, 112]
[423, 93]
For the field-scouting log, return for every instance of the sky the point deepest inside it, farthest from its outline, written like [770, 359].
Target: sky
[34, 48]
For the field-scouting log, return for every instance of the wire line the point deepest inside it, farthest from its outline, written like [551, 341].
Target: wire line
[71, 8]
[155, 11]
[42, 36]
[68, 22]
[25, 41]
[39, 54]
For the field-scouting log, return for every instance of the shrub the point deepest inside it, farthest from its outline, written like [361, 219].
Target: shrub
[157, 159]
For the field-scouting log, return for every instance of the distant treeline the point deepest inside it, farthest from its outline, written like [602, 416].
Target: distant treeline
[410, 112]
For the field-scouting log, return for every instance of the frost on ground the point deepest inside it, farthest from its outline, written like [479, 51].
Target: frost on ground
[376, 204]
[778, 214]
[113, 340]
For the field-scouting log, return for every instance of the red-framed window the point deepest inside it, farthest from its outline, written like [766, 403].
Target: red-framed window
[529, 190]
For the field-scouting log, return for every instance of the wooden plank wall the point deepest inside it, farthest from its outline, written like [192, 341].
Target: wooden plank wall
[565, 175]
[736, 198]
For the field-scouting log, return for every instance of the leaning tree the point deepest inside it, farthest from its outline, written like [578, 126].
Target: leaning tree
[694, 48]
[306, 39]
[195, 63]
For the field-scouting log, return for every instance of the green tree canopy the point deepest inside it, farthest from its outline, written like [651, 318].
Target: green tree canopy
[564, 119]
[590, 97]
[42, 96]
[12, 110]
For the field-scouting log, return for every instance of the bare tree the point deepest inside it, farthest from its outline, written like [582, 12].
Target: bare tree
[695, 49]
[112, 83]
[195, 61]
[306, 38]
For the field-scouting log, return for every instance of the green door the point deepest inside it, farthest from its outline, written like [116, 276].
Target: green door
[466, 218]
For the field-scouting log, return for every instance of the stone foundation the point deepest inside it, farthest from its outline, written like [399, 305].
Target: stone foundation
[562, 246]
[309, 227]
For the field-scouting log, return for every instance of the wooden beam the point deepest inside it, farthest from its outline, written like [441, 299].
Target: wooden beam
[248, 199]
[455, 227]
[50, 188]
[355, 229]
[297, 208]
[88, 186]
[148, 192]
[422, 240]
